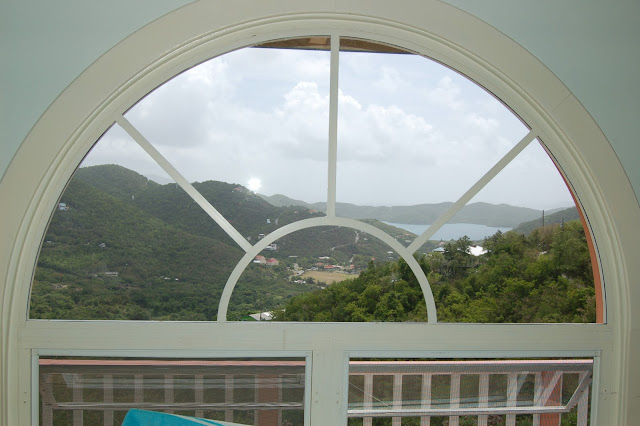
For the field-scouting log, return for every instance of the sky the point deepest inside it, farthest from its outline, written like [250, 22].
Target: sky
[410, 131]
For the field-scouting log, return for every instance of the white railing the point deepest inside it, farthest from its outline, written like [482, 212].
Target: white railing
[272, 388]
[545, 404]
[80, 386]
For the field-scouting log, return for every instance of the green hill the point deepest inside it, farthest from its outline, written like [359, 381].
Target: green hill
[129, 248]
[543, 278]
[116, 181]
[502, 215]
[106, 259]
[247, 212]
[558, 217]
[280, 200]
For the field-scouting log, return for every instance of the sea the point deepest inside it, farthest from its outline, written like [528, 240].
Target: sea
[453, 231]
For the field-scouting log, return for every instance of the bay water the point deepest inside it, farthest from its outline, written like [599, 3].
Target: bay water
[453, 231]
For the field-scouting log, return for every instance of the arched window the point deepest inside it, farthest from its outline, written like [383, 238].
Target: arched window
[349, 139]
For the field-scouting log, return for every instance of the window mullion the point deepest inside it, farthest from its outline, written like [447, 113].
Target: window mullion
[333, 125]
[184, 183]
[471, 192]
[329, 383]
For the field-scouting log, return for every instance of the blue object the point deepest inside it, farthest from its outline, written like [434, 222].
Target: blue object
[137, 417]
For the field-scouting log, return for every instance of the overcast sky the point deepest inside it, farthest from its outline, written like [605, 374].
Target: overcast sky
[410, 131]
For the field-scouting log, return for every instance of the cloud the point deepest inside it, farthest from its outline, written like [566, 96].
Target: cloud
[174, 115]
[235, 138]
[391, 80]
[447, 93]
[213, 74]
[382, 133]
[299, 128]
[484, 124]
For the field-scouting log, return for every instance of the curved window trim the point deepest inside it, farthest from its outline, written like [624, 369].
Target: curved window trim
[66, 132]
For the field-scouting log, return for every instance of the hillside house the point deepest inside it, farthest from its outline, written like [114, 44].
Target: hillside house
[262, 316]
[477, 250]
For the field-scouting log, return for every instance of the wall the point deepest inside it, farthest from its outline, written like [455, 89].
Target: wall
[590, 46]
[44, 46]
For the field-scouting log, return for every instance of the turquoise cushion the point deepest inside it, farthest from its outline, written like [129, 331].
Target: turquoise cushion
[137, 417]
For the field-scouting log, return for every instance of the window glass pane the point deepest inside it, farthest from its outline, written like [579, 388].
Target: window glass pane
[355, 278]
[301, 262]
[123, 246]
[529, 181]
[412, 134]
[247, 125]
[116, 147]
[249, 391]
[538, 270]
[469, 391]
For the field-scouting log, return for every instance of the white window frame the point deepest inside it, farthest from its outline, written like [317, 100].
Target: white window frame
[142, 62]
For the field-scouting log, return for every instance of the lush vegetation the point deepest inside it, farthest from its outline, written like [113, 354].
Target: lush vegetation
[106, 259]
[558, 217]
[129, 248]
[543, 277]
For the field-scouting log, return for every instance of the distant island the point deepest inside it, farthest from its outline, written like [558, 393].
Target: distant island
[494, 215]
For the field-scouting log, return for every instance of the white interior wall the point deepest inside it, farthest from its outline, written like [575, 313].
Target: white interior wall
[45, 45]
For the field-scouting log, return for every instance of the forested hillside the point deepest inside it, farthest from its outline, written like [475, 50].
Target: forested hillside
[106, 259]
[544, 277]
[558, 218]
[247, 212]
[123, 247]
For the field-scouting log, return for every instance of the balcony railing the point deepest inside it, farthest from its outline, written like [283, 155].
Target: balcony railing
[543, 389]
[268, 392]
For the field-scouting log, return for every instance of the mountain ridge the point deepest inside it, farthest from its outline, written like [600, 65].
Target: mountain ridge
[225, 197]
[480, 213]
